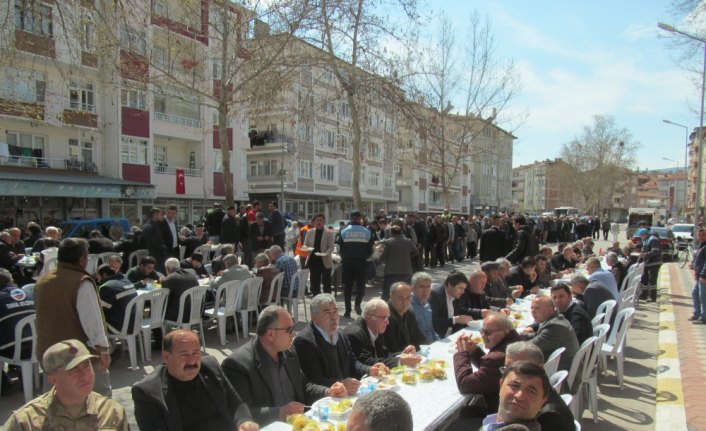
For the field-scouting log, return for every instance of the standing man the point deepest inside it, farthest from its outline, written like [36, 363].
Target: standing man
[652, 256]
[356, 245]
[71, 404]
[214, 222]
[493, 242]
[170, 230]
[230, 229]
[397, 256]
[699, 293]
[260, 234]
[420, 231]
[154, 238]
[278, 224]
[188, 391]
[68, 308]
[319, 262]
[526, 243]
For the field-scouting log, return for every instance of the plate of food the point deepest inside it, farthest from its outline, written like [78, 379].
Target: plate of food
[429, 373]
[300, 422]
[385, 383]
[306, 248]
[338, 408]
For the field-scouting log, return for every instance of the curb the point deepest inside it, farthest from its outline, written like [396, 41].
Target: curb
[670, 412]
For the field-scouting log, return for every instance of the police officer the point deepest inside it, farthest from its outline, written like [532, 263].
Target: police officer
[115, 292]
[15, 304]
[71, 404]
[355, 245]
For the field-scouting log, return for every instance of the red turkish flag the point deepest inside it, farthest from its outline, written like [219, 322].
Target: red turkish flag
[180, 184]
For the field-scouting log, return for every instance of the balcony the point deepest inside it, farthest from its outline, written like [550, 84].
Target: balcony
[47, 163]
[171, 170]
[175, 119]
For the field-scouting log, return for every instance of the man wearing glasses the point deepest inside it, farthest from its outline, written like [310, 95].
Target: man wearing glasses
[498, 332]
[367, 342]
[268, 374]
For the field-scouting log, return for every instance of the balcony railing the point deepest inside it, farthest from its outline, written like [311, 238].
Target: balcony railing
[171, 170]
[45, 162]
[175, 119]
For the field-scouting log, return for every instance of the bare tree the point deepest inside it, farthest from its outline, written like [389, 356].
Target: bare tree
[598, 158]
[469, 75]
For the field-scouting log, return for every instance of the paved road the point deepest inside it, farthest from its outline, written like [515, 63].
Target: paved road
[632, 408]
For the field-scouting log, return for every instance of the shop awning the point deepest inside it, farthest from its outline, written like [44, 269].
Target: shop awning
[49, 184]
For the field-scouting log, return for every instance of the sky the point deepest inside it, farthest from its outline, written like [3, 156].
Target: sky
[578, 59]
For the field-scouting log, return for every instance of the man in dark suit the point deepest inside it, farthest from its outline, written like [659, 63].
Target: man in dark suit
[554, 331]
[403, 329]
[473, 302]
[98, 244]
[572, 311]
[268, 374]
[178, 280]
[214, 221]
[324, 351]
[154, 239]
[366, 336]
[591, 294]
[188, 392]
[525, 244]
[493, 241]
[444, 316]
[260, 234]
[170, 231]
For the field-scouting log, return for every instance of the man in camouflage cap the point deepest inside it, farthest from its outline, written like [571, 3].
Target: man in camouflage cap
[71, 404]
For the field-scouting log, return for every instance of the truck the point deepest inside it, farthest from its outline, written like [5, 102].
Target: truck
[640, 215]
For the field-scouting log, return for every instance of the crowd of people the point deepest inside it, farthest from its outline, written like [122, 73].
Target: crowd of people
[276, 374]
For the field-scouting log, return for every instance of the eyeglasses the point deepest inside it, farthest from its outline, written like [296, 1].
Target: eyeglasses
[385, 318]
[289, 330]
[487, 332]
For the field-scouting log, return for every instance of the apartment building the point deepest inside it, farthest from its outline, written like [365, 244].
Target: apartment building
[89, 132]
[542, 186]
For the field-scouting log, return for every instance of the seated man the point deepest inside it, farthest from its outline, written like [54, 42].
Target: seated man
[598, 274]
[473, 302]
[115, 262]
[144, 273]
[445, 316]
[267, 372]
[232, 271]
[368, 343]
[195, 263]
[554, 331]
[590, 294]
[524, 389]
[115, 292]
[188, 391]
[217, 265]
[285, 264]
[402, 330]
[263, 268]
[380, 411]
[71, 404]
[178, 280]
[564, 260]
[51, 239]
[498, 332]
[15, 304]
[523, 276]
[617, 268]
[98, 244]
[572, 311]
[554, 414]
[324, 351]
[497, 293]
[421, 287]
[189, 240]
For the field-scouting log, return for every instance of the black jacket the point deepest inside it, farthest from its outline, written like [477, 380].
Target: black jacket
[525, 245]
[244, 371]
[156, 408]
[214, 222]
[403, 331]
[516, 276]
[314, 363]
[230, 231]
[254, 232]
[578, 317]
[178, 282]
[471, 304]
[363, 347]
[100, 245]
[555, 414]
[439, 311]
[154, 241]
[595, 295]
[493, 244]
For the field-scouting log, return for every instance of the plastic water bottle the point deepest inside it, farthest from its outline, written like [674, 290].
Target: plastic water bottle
[150, 287]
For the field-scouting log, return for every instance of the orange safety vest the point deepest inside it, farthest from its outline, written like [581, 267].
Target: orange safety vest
[300, 242]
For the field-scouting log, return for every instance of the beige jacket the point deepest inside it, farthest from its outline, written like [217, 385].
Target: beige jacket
[326, 244]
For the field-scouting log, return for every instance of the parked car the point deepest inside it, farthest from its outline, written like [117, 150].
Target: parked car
[683, 231]
[666, 239]
[82, 228]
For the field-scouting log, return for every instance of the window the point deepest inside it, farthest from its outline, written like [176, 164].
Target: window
[23, 85]
[327, 173]
[133, 97]
[26, 140]
[306, 169]
[160, 155]
[263, 168]
[88, 34]
[435, 197]
[253, 169]
[160, 57]
[328, 139]
[133, 150]
[177, 107]
[387, 181]
[216, 67]
[345, 110]
[81, 97]
[217, 160]
[132, 41]
[81, 151]
[33, 17]
[373, 150]
[374, 178]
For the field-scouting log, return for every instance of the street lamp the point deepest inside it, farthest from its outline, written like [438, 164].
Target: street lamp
[686, 152]
[700, 160]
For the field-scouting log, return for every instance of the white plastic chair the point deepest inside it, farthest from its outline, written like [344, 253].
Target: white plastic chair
[29, 367]
[607, 307]
[299, 279]
[273, 298]
[567, 398]
[29, 288]
[627, 299]
[131, 333]
[49, 256]
[182, 251]
[195, 295]
[557, 379]
[552, 363]
[615, 344]
[248, 301]
[205, 250]
[92, 265]
[136, 255]
[158, 300]
[225, 307]
[573, 380]
[577, 424]
[590, 370]
[598, 320]
[103, 257]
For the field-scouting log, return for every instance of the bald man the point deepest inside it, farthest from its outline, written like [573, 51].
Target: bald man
[554, 331]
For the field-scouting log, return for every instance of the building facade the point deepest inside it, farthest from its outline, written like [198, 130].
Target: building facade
[542, 186]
